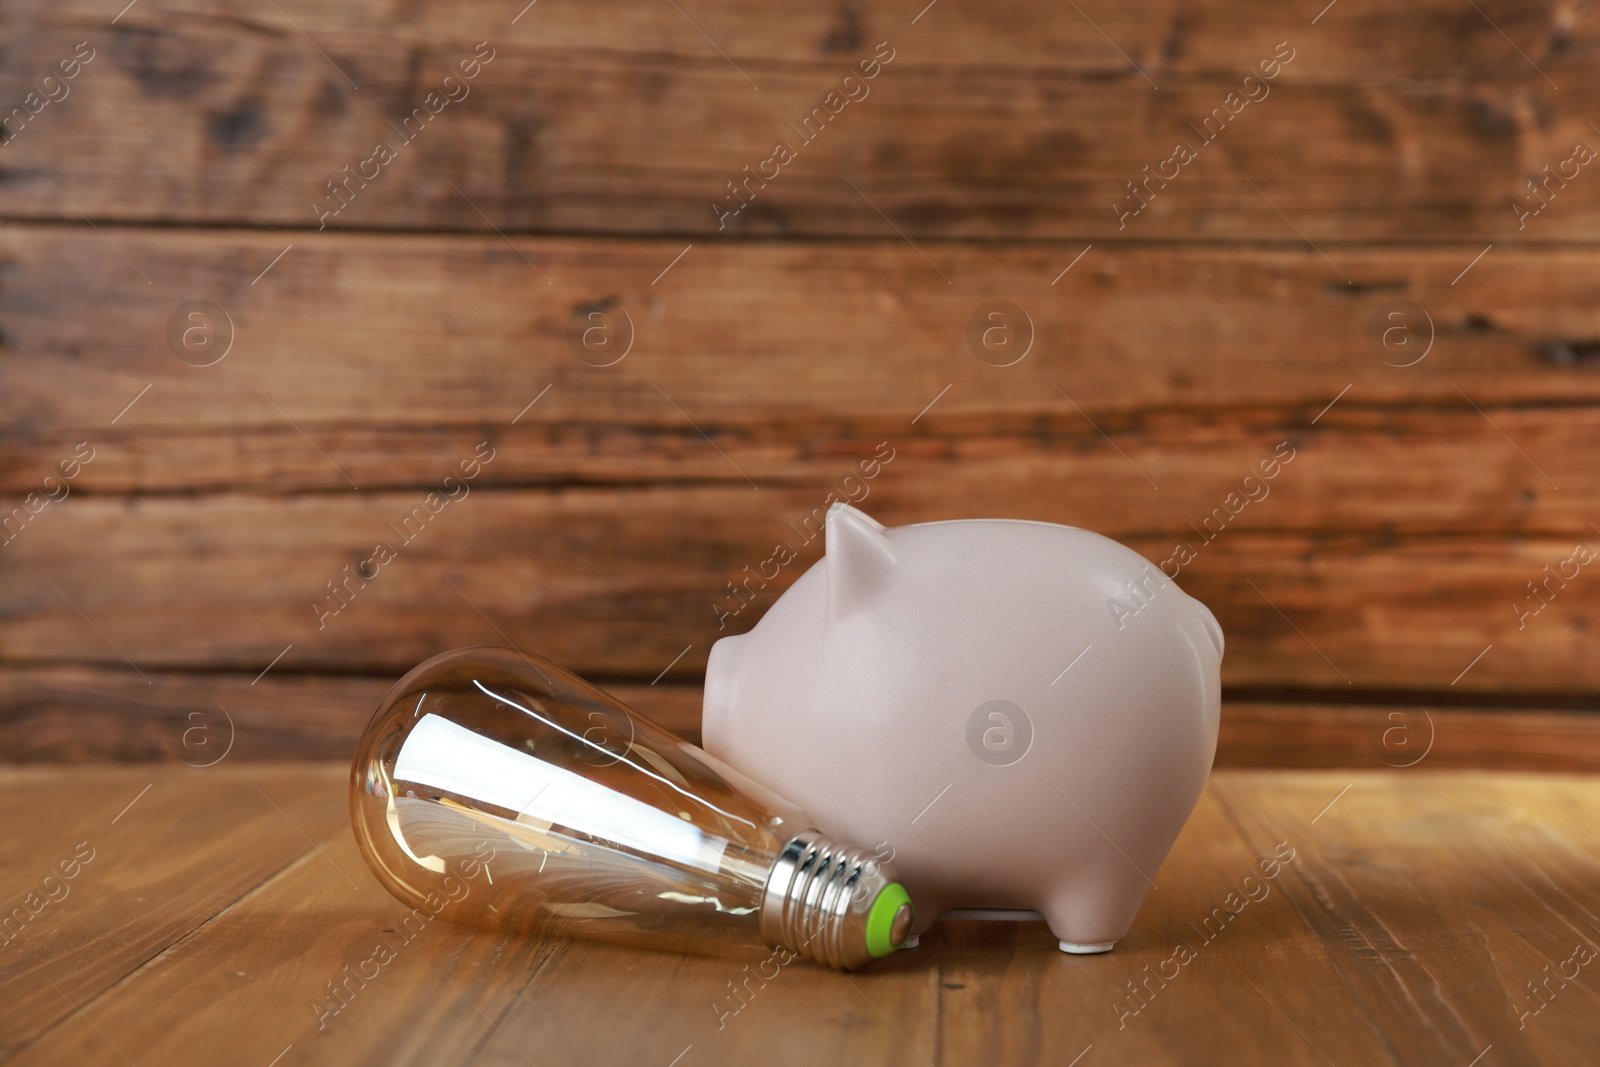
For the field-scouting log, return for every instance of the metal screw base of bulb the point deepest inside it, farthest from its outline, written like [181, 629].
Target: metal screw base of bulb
[818, 897]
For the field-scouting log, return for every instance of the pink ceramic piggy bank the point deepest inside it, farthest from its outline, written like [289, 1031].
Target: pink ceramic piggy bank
[1024, 713]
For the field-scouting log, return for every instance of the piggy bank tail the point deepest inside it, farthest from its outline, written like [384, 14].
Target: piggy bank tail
[1212, 671]
[1213, 630]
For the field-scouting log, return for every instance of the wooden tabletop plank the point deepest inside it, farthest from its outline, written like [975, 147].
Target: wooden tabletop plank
[255, 980]
[269, 960]
[657, 1007]
[1174, 985]
[1436, 912]
[640, 126]
[265, 961]
[66, 808]
[1409, 1014]
[161, 862]
[1393, 921]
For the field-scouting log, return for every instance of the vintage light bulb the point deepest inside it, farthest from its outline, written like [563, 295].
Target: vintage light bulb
[495, 789]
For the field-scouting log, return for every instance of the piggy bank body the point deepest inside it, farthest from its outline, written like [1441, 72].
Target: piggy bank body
[1022, 714]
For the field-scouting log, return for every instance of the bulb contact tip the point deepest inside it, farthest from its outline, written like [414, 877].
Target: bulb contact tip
[833, 903]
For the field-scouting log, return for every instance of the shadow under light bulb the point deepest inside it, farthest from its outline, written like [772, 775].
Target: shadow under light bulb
[495, 789]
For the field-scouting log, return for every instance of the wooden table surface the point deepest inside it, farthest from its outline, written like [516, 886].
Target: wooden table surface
[208, 909]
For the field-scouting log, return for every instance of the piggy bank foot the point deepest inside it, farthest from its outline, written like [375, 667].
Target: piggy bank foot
[1085, 950]
[1090, 919]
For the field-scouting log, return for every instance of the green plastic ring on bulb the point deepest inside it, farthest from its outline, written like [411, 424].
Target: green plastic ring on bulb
[880, 920]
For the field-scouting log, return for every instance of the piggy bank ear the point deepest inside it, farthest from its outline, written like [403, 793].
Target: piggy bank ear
[859, 559]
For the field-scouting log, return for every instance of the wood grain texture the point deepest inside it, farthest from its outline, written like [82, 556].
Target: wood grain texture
[96, 715]
[1507, 915]
[1405, 928]
[621, 582]
[1182, 37]
[1408, 470]
[416, 334]
[78, 715]
[1402, 738]
[270, 975]
[1425, 495]
[368, 360]
[159, 865]
[1029, 124]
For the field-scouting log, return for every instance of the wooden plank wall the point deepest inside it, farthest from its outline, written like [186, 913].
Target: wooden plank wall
[427, 315]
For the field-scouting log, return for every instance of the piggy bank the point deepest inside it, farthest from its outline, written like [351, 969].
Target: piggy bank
[1021, 714]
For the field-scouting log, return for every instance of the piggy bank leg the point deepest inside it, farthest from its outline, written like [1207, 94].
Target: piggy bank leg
[1085, 950]
[1090, 916]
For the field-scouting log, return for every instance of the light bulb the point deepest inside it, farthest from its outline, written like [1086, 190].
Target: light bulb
[495, 789]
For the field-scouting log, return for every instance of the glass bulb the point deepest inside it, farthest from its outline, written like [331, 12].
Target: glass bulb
[495, 789]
